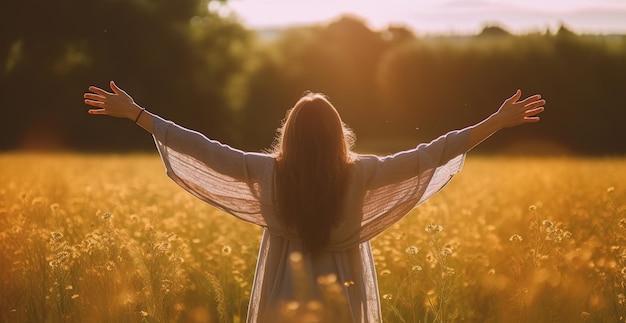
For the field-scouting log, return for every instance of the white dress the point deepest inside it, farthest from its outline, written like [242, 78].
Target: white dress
[382, 190]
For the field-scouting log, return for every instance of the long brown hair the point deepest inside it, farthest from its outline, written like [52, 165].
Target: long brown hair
[313, 151]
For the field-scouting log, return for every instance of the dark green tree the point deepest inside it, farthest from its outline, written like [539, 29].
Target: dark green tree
[175, 57]
[339, 59]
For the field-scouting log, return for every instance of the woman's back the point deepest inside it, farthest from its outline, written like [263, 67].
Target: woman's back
[340, 278]
[299, 277]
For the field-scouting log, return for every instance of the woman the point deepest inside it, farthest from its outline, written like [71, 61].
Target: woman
[318, 202]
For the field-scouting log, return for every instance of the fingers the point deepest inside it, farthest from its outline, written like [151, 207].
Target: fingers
[96, 111]
[107, 103]
[531, 119]
[99, 91]
[94, 103]
[94, 97]
[515, 96]
[531, 99]
[534, 104]
[115, 88]
[530, 115]
[534, 111]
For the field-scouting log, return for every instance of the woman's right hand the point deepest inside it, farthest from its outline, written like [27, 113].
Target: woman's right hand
[116, 104]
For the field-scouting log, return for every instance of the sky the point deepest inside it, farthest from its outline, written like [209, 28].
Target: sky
[441, 16]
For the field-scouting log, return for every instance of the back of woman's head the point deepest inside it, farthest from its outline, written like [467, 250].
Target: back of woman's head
[313, 129]
[313, 152]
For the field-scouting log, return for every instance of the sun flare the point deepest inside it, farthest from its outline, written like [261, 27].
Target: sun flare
[605, 16]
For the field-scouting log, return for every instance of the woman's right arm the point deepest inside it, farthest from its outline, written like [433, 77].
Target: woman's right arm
[224, 177]
[118, 104]
[169, 136]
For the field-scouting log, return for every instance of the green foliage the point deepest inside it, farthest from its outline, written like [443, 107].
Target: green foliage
[206, 71]
[175, 57]
[401, 89]
[339, 60]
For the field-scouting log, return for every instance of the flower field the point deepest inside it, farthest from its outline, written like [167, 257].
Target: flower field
[109, 238]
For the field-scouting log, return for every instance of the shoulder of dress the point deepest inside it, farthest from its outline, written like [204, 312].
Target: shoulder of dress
[261, 162]
[260, 157]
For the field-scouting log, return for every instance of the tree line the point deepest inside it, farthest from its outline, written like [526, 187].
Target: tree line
[208, 72]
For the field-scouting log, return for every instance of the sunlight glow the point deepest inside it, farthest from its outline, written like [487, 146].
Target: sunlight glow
[438, 16]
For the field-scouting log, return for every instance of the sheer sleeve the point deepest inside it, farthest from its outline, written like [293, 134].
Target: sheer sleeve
[227, 178]
[395, 184]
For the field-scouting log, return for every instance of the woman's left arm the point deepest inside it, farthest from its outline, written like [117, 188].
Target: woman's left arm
[118, 104]
[511, 113]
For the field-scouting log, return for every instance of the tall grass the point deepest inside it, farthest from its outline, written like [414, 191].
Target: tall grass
[95, 238]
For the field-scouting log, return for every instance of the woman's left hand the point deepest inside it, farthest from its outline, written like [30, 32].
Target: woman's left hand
[514, 112]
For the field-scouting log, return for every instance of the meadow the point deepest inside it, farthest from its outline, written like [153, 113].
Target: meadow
[109, 238]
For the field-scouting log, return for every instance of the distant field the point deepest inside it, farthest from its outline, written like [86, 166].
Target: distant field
[109, 238]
